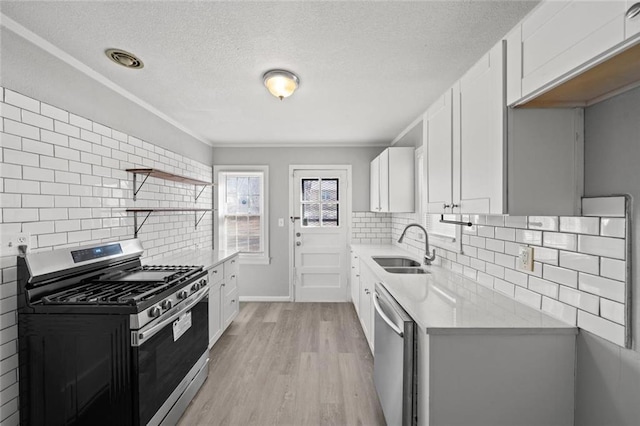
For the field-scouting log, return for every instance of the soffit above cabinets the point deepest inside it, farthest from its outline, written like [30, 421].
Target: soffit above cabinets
[366, 69]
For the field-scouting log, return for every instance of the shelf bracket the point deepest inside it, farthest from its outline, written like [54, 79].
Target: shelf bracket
[135, 191]
[454, 222]
[197, 221]
[135, 223]
[198, 194]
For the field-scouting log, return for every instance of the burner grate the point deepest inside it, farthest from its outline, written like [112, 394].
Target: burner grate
[124, 287]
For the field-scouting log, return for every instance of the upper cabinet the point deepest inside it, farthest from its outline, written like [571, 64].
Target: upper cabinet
[392, 181]
[482, 158]
[573, 53]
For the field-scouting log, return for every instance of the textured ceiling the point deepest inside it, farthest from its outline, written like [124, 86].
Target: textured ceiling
[367, 69]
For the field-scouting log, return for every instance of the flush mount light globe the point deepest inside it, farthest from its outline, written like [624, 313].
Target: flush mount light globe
[124, 58]
[281, 83]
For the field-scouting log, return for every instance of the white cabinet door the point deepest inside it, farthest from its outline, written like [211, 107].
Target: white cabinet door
[355, 280]
[438, 137]
[384, 180]
[514, 65]
[215, 313]
[632, 25]
[481, 152]
[561, 35]
[230, 307]
[374, 185]
[400, 180]
[367, 286]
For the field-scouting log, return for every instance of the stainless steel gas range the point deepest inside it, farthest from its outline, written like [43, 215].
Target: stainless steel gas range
[106, 341]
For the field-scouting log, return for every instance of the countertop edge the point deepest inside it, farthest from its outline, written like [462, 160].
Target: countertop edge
[516, 331]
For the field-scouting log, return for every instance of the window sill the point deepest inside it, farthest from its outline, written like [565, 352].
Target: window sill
[247, 259]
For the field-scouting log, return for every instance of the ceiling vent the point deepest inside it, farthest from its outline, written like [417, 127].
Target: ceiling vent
[124, 58]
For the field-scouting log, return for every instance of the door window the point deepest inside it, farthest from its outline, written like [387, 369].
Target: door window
[320, 204]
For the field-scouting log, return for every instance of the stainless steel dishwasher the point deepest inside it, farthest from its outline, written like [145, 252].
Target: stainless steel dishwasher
[395, 360]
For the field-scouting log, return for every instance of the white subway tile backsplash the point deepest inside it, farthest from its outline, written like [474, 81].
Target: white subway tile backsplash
[611, 227]
[478, 242]
[560, 310]
[560, 275]
[560, 241]
[602, 327]
[495, 270]
[544, 287]
[81, 122]
[580, 299]
[19, 215]
[505, 260]
[515, 221]
[545, 255]
[12, 156]
[54, 163]
[528, 297]
[10, 171]
[495, 220]
[511, 248]
[518, 278]
[21, 101]
[30, 201]
[66, 129]
[604, 206]
[486, 231]
[614, 269]
[53, 214]
[494, 245]
[602, 246]
[545, 223]
[580, 225]
[9, 111]
[579, 262]
[612, 311]
[10, 141]
[36, 147]
[504, 287]
[54, 138]
[37, 120]
[604, 287]
[529, 237]
[507, 234]
[486, 255]
[53, 112]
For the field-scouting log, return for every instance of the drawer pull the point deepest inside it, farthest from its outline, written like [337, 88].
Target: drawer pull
[232, 276]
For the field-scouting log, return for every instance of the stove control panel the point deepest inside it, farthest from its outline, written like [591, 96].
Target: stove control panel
[167, 304]
[155, 312]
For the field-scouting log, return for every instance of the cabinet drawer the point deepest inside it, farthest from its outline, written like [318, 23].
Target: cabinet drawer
[231, 267]
[230, 284]
[216, 274]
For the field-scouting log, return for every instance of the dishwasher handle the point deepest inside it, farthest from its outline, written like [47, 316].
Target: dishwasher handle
[384, 316]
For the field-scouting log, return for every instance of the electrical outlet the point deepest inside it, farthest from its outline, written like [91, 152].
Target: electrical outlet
[10, 243]
[525, 258]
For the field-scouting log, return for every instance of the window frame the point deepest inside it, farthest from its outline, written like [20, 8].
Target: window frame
[258, 258]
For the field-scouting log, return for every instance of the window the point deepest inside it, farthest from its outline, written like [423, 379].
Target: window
[242, 211]
[444, 235]
[320, 204]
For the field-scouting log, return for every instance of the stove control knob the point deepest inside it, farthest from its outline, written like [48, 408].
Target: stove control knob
[183, 294]
[203, 283]
[195, 287]
[167, 304]
[154, 312]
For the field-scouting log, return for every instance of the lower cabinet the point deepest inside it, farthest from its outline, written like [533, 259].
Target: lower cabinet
[354, 281]
[223, 297]
[365, 303]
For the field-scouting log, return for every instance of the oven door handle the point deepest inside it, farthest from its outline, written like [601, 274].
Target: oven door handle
[141, 336]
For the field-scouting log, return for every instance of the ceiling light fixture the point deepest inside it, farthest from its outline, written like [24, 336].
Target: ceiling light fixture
[124, 58]
[281, 83]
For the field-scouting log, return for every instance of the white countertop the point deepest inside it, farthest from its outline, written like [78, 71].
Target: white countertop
[207, 258]
[443, 302]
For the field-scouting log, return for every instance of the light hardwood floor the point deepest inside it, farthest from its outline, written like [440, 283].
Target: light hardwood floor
[289, 364]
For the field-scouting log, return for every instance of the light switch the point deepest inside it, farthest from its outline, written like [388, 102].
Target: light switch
[525, 258]
[280, 222]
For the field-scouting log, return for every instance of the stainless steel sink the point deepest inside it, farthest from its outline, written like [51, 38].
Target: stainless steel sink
[395, 261]
[405, 270]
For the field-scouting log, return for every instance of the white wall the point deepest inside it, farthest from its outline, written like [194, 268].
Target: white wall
[33, 72]
[608, 382]
[273, 280]
[63, 181]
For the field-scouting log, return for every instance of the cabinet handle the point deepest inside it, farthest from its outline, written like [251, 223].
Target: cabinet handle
[358, 276]
[215, 271]
[233, 276]
[233, 261]
[454, 206]
[633, 11]
[223, 284]
[446, 206]
[233, 300]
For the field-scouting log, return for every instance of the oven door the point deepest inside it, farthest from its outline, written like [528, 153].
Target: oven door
[165, 351]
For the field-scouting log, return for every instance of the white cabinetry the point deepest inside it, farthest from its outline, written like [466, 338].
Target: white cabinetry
[485, 159]
[560, 36]
[223, 297]
[437, 142]
[365, 303]
[481, 164]
[392, 181]
[355, 280]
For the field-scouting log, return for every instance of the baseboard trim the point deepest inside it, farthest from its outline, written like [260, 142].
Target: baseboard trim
[265, 299]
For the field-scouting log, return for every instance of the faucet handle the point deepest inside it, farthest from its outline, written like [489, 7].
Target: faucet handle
[428, 259]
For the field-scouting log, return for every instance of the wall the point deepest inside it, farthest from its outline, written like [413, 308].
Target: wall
[370, 228]
[272, 281]
[609, 376]
[63, 181]
[31, 71]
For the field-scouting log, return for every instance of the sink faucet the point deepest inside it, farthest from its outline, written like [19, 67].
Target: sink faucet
[427, 259]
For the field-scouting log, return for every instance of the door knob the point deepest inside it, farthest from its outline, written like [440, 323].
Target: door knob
[297, 234]
[298, 243]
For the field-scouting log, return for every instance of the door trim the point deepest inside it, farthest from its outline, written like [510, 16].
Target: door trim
[290, 227]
